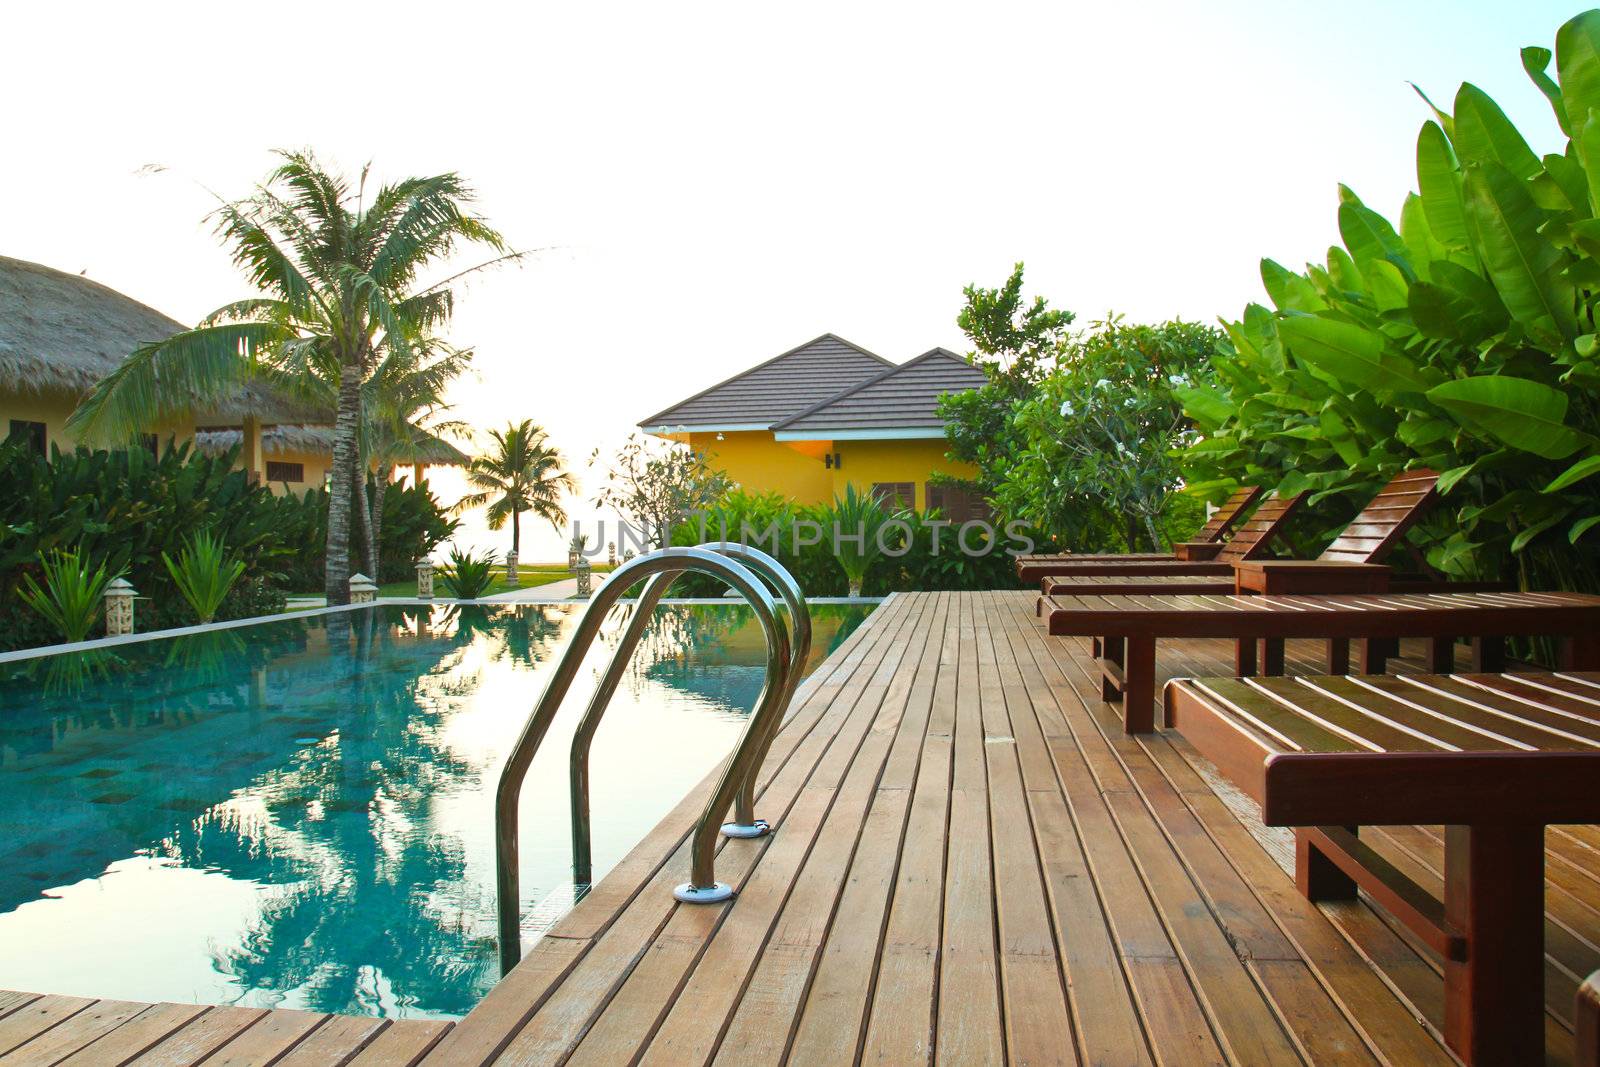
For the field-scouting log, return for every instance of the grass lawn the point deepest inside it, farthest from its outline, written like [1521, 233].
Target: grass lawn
[528, 577]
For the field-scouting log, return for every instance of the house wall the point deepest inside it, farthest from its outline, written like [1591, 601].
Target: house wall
[758, 463]
[866, 463]
[316, 471]
[52, 409]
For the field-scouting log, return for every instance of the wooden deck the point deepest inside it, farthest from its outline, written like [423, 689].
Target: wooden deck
[972, 864]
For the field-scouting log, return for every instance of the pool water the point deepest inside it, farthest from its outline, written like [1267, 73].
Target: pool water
[299, 813]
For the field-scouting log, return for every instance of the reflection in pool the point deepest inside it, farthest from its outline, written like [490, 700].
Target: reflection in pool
[300, 813]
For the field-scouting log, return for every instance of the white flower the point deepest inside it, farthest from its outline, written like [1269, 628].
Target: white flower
[1066, 408]
[1102, 383]
[1178, 379]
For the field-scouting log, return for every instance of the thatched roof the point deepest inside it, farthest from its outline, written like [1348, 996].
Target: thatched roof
[318, 441]
[62, 333]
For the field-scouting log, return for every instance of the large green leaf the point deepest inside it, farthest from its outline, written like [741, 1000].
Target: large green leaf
[1484, 134]
[1370, 238]
[1421, 246]
[1524, 414]
[1535, 60]
[1580, 470]
[1289, 291]
[1353, 354]
[1439, 182]
[1524, 267]
[1578, 64]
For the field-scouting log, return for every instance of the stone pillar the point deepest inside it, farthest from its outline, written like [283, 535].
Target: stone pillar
[425, 579]
[363, 590]
[511, 566]
[119, 607]
[584, 571]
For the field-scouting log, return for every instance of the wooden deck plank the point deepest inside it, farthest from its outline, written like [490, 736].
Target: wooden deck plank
[74, 1032]
[334, 1042]
[401, 1044]
[35, 1017]
[200, 1038]
[268, 1039]
[149, 1027]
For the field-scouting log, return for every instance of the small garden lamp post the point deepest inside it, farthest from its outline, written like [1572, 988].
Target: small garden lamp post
[583, 570]
[511, 566]
[425, 579]
[363, 590]
[119, 596]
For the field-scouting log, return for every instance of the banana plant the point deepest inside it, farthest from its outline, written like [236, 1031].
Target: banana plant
[1464, 339]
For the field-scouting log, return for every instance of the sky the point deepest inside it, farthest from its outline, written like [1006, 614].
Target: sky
[708, 185]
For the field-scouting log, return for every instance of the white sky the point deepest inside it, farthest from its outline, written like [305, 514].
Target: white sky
[719, 182]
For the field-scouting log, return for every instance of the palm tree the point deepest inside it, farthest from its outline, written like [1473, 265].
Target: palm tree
[522, 473]
[341, 281]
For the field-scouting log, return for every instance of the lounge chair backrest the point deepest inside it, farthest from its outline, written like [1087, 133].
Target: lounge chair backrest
[1231, 511]
[1382, 523]
[1254, 537]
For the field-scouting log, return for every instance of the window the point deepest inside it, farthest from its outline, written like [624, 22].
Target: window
[895, 494]
[31, 434]
[959, 505]
[285, 472]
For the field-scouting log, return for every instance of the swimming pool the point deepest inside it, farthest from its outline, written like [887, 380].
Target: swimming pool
[299, 813]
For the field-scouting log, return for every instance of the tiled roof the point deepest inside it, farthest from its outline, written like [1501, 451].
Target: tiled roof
[782, 386]
[902, 397]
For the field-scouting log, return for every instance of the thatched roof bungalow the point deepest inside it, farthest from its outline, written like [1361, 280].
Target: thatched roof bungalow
[61, 333]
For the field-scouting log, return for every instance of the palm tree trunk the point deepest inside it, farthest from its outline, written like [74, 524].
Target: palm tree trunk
[369, 555]
[380, 486]
[516, 544]
[336, 570]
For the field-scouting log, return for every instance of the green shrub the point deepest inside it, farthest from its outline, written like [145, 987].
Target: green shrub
[414, 524]
[70, 597]
[127, 508]
[467, 576]
[204, 573]
[767, 521]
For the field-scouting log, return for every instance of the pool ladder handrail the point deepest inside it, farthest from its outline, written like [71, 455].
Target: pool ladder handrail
[735, 564]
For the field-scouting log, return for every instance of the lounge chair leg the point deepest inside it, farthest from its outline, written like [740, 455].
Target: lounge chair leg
[1244, 657]
[1494, 894]
[1581, 653]
[1112, 650]
[1488, 655]
[1374, 655]
[1315, 875]
[1139, 686]
[1272, 656]
[1441, 654]
[1338, 655]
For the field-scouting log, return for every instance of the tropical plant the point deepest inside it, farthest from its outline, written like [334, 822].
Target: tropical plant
[127, 507]
[656, 485]
[857, 523]
[523, 472]
[204, 573]
[468, 576]
[1098, 439]
[338, 273]
[70, 597]
[1015, 343]
[1464, 340]
[415, 521]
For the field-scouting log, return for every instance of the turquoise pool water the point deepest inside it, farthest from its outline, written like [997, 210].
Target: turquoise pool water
[300, 813]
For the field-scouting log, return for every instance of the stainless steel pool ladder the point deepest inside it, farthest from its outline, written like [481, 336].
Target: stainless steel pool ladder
[788, 646]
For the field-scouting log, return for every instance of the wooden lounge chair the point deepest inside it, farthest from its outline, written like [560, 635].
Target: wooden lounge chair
[1350, 564]
[1205, 544]
[1127, 627]
[1494, 758]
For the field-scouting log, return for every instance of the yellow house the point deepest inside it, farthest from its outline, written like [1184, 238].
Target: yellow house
[827, 414]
